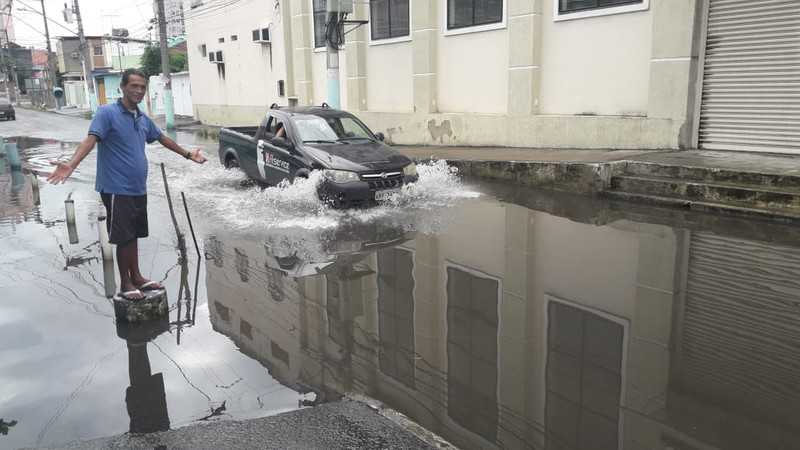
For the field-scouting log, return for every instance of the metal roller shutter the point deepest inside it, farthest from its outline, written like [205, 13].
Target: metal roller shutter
[751, 80]
[740, 340]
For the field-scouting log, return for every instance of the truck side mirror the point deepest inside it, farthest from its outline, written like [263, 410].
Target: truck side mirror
[380, 136]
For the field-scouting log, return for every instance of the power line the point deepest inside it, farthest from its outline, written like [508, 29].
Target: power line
[49, 19]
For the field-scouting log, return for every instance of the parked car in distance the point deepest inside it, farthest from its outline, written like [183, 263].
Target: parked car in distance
[7, 111]
[359, 169]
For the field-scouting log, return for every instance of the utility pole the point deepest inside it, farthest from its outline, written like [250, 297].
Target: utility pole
[51, 73]
[85, 55]
[332, 46]
[169, 108]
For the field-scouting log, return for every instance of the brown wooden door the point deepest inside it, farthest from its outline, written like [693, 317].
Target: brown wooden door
[101, 91]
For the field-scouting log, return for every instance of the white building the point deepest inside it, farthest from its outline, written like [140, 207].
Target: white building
[535, 73]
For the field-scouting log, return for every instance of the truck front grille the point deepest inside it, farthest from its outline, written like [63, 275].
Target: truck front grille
[383, 180]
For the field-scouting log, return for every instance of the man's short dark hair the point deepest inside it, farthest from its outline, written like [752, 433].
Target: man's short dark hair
[126, 75]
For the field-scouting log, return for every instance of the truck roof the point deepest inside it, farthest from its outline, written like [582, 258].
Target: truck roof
[324, 110]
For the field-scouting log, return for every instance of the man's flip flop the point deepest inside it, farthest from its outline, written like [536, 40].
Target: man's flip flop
[129, 295]
[151, 286]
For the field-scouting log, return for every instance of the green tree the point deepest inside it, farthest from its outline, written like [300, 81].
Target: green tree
[151, 61]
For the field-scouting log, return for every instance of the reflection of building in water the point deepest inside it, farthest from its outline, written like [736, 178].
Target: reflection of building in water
[519, 329]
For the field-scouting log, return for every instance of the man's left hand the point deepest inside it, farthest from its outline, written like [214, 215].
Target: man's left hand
[197, 156]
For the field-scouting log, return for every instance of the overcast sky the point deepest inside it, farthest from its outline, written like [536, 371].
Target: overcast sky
[98, 18]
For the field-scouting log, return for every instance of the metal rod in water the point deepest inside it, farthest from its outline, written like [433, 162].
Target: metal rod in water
[35, 189]
[181, 240]
[191, 228]
[72, 229]
[109, 280]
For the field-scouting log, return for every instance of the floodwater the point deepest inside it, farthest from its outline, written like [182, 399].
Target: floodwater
[495, 316]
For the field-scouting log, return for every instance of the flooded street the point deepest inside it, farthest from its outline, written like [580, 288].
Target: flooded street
[495, 316]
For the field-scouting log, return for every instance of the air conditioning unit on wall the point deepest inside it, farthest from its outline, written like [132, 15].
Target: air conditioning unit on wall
[261, 36]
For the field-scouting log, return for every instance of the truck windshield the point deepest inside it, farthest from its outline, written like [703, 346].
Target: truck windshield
[315, 128]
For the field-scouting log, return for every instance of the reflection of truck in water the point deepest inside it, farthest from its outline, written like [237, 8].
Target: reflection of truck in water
[359, 168]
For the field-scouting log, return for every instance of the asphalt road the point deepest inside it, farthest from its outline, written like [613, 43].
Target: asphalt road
[45, 125]
[344, 424]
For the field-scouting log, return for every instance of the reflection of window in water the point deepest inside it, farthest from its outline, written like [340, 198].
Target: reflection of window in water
[396, 314]
[472, 352]
[584, 364]
[246, 329]
[275, 284]
[223, 311]
[279, 353]
[214, 251]
[242, 265]
[333, 306]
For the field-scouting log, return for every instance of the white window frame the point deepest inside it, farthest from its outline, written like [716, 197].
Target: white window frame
[626, 330]
[398, 39]
[475, 28]
[597, 12]
[313, 28]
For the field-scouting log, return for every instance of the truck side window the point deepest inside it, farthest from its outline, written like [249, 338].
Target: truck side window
[264, 129]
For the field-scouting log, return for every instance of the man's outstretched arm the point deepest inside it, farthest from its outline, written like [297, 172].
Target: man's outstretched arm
[196, 155]
[65, 169]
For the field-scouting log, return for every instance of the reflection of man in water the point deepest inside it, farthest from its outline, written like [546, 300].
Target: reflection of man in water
[145, 398]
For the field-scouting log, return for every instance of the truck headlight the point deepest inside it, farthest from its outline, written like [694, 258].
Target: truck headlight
[341, 176]
[410, 170]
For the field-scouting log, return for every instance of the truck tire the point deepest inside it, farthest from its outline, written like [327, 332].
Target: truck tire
[231, 162]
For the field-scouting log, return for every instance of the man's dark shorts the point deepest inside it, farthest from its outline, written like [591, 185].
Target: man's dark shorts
[126, 217]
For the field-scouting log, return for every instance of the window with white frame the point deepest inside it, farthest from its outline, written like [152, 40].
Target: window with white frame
[396, 315]
[584, 378]
[472, 326]
[320, 16]
[389, 18]
[566, 7]
[470, 13]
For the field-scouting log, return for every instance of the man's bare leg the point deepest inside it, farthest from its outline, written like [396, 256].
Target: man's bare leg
[136, 275]
[126, 259]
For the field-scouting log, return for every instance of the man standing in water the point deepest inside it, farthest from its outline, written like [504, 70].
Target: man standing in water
[122, 131]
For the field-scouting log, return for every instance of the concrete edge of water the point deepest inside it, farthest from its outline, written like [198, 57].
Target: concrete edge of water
[403, 421]
[350, 421]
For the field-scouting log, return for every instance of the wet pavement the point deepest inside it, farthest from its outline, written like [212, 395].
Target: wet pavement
[495, 316]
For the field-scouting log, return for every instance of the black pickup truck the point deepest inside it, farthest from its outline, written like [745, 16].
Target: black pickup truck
[358, 168]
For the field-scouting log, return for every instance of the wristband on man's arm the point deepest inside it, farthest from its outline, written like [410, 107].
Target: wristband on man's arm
[188, 154]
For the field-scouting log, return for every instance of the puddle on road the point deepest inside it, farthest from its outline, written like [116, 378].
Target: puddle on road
[511, 319]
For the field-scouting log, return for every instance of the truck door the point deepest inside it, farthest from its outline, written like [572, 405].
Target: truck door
[276, 161]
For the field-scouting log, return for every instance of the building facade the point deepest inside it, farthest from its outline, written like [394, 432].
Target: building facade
[642, 74]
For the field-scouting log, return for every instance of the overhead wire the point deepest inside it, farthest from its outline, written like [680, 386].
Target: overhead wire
[32, 9]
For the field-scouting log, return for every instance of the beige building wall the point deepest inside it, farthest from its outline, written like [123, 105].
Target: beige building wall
[612, 80]
[252, 70]
[596, 66]
[392, 64]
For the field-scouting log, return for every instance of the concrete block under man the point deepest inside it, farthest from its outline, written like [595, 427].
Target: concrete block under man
[122, 132]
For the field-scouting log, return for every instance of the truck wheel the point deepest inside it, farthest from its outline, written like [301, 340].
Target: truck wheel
[231, 162]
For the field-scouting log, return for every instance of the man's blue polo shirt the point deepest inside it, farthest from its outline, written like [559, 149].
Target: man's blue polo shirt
[121, 161]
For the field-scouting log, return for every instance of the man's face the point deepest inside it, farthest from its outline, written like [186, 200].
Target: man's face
[135, 89]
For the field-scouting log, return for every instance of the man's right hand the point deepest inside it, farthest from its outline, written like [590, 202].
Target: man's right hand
[62, 172]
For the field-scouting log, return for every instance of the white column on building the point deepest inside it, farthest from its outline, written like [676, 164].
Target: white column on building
[524, 56]
[424, 47]
[303, 46]
[674, 63]
[356, 63]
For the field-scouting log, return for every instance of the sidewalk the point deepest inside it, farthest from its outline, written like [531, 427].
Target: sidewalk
[754, 184]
